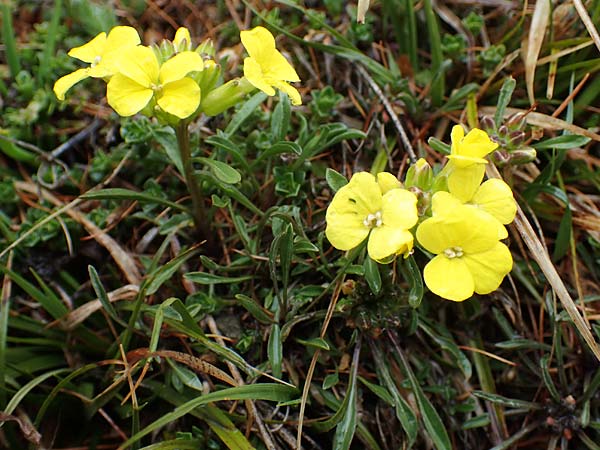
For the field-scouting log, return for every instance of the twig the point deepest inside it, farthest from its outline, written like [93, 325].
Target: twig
[399, 127]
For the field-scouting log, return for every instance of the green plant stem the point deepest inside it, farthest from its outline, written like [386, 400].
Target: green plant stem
[198, 212]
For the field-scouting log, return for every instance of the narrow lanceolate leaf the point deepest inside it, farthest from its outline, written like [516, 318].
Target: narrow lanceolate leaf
[264, 391]
[537, 30]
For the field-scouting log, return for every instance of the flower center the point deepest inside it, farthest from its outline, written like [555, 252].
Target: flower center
[453, 252]
[96, 61]
[373, 220]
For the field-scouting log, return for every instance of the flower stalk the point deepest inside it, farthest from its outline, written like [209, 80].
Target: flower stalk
[198, 212]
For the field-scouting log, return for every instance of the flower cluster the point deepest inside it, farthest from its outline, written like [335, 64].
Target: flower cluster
[454, 215]
[173, 82]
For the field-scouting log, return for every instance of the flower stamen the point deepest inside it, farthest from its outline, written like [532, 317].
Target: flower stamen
[373, 220]
[453, 252]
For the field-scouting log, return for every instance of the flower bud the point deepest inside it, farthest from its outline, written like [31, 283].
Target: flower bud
[419, 175]
[516, 138]
[208, 77]
[523, 155]
[225, 96]
[501, 158]
[503, 131]
[487, 123]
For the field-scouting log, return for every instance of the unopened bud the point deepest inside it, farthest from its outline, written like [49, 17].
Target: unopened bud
[503, 130]
[208, 77]
[523, 155]
[516, 138]
[182, 41]
[500, 157]
[517, 121]
[419, 175]
[487, 123]
[225, 96]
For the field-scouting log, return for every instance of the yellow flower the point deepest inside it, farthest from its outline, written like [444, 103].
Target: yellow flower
[101, 53]
[182, 40]
[141, 78]
[469, 258]
[375, 208]
[266, 68]
[493, 197]
[467, 163]
[470, 149]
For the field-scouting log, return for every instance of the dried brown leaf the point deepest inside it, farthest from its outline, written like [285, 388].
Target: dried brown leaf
[537, 30]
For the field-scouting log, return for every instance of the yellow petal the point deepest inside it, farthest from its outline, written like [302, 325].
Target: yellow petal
[456, 136]
[63, 84]
[126, 96]
[470, 149]
[444, 203]
[140, 65]
[387, 181]
[182, 39]
[449, 278]
[345, 230]
[399, 209]
[121, 37]
[275, 66]
[345, 223]
[258, 42]
[290, 90]
[364, 193]
[253, 73]
[463, 182]
[465, 227]
[477, 143]
[489, 268]
[496, 197]
[179, 66]
[180, 98]
[386, 241]
[90, 51]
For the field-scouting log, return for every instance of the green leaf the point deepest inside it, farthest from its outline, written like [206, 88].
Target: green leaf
[166, 138]
[264, 391]
[372, 275]
[166, 271]
[548, 379]
[433, 423]
[209, 278]
[49, 301]
[279, 148]
[21, 393]
[101, 293]
[335, 180]
[476, 422]
[506, 92]
[126, 194]
[258, 312]
[176, 444]
[344, 432]
[222, 171]
[280, 119]
[505, 401]
[566, 142]
[244, 112]
[275, 350]
[317, 342]
[564, 234]
[439, 146]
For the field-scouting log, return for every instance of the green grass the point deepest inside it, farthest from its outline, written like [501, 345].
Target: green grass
[121, 327]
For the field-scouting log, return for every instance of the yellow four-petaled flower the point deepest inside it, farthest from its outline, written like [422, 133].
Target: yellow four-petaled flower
[102, 53]
[376, 208]
[141, 78]
[266, 68]
[469, 256]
